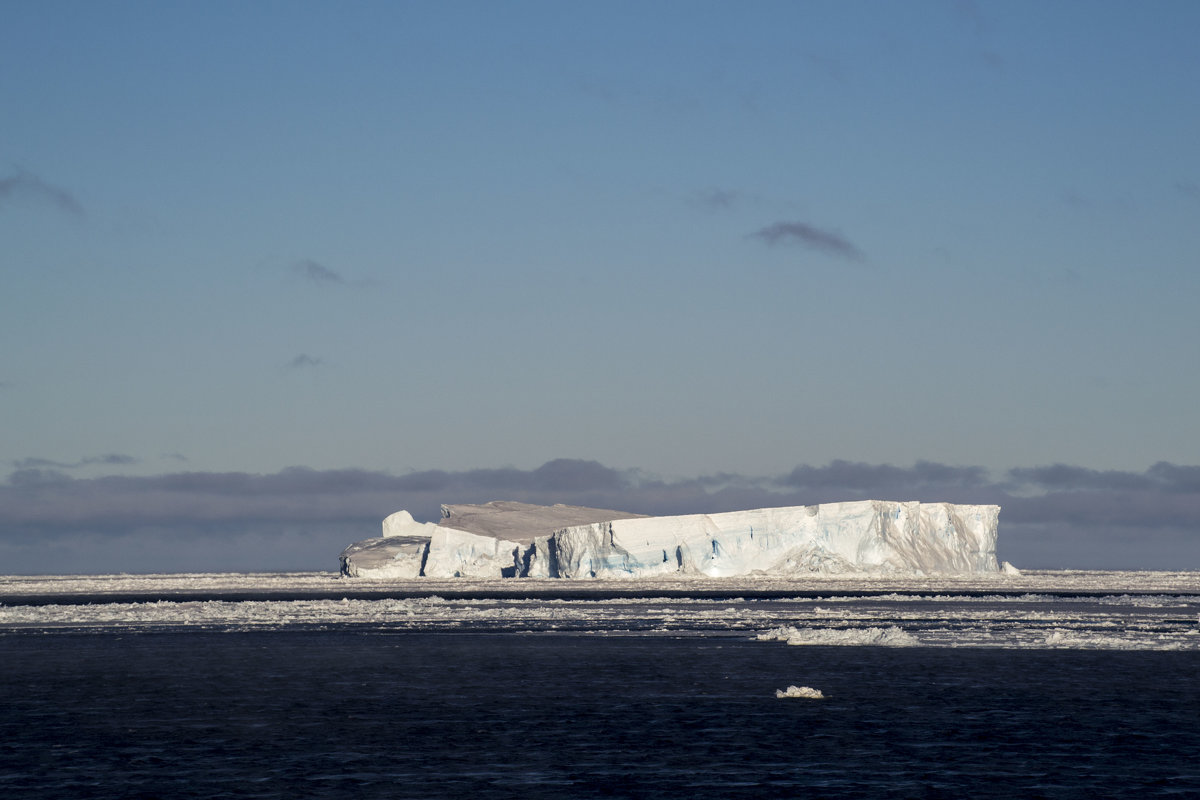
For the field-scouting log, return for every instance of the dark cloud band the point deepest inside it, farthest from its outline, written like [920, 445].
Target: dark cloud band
[43, 508]
[317, 273]
[809, 236]
[27, 187]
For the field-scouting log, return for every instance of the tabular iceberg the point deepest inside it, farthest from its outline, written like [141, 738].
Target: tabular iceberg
[506, 539]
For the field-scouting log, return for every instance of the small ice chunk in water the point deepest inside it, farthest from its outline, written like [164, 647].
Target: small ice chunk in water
[885, 637]
[800, 691]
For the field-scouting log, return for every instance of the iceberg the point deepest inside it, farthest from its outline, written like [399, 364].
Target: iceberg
[489, 540]
[507, 539]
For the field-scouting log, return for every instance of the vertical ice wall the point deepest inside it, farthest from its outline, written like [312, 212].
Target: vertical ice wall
[871, 535]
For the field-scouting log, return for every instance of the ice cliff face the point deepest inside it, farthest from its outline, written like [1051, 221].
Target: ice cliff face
[867, 536]
[492, 540]
[870, 536]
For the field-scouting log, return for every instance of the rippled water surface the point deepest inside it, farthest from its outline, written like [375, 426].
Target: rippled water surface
[353, 713]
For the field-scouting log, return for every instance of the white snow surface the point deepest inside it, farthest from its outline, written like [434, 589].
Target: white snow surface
[402, 524]
[458, 554]
[519, 540]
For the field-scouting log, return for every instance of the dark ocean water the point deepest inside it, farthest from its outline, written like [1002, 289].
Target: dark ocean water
[361, 714]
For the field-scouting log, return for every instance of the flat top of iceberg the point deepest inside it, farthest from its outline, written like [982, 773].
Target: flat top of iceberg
[523, 522]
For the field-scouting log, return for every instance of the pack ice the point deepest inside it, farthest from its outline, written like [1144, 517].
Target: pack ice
[508, 539]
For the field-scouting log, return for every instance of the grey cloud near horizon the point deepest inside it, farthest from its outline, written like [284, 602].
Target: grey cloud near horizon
[26, 186]
[1065, 477]
[1058, 506]
[810, 236]
[859, 476]
[1163, 476]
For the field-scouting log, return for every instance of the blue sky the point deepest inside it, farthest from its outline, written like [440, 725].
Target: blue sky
[674, 239]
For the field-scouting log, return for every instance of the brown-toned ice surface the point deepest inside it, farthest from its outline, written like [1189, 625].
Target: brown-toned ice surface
[523, 522]
[485, 540]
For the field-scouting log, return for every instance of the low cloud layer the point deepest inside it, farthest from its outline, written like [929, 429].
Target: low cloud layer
[1056, 516]
[809, 236]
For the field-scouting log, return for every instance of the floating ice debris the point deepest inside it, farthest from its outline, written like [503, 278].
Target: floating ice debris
[1039, 610]
[800, 691]
[883, 637]
[1059, 639]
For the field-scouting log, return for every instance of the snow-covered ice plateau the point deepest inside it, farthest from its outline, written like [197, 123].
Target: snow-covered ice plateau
[507, 539]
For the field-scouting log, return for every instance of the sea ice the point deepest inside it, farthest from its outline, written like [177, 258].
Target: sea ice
[800, 691]
[891, 636]
[1038, 610]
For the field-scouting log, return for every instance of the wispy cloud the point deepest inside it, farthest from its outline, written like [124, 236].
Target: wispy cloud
[24, 186]
[106, 460]
[1053, 516]
[715, 198]
[968, 13]
[1189, 189]
[829, 66]
[317, 273]
[809, 236]
[304, 360]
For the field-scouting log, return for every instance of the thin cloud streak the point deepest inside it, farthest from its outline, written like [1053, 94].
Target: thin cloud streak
[317, 273]
[809, 236]
[716, 199]
[303, 361]
[107, 459]
[27, 187]
[1189, 189]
